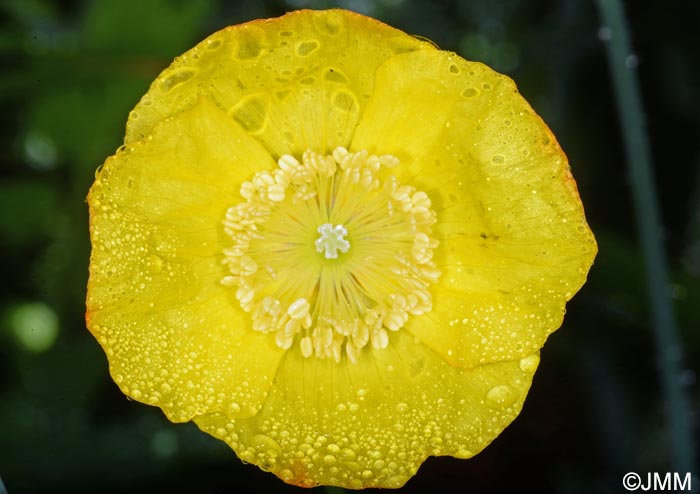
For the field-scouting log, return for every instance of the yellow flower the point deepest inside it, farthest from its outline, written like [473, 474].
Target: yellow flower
[333, 246]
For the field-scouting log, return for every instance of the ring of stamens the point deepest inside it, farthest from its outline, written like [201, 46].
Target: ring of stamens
[332, 252]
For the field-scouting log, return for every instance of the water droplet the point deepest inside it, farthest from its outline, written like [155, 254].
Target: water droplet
[247, 455]
[264, 443]
[402, 407]
[177, 77]
[529, 364]
[347, 454]
[249, 47]
[307, 47]
[463, 454]
[332, 24]
[345, 102]
[332, 74]
[155, 264]
[282, 94]
[251, 113]
[329, 460]
[501, 396]
[286, 475]
[394, 482]
[214, 44]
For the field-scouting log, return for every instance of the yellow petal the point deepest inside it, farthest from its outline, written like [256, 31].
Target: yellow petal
[374, 423]
[514, 243]
[174, 336]
[296, 83]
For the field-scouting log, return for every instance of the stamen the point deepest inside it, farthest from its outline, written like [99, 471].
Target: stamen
[291, 291]
[298, 309]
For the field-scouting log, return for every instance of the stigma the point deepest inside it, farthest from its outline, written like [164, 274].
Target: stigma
[331, 240]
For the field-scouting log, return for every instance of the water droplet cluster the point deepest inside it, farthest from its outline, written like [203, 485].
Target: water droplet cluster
[376, 423]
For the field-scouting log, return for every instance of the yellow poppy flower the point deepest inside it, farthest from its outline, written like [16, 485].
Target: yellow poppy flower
[333, 246]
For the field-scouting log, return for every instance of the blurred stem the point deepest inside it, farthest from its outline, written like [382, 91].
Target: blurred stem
[691, 254]
[622, 67]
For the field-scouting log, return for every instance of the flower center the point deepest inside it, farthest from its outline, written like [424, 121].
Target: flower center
[331, 240]
[324, 205]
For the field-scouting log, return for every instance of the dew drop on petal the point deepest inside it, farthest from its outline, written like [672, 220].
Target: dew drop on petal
[155, 264]
[249, 46]
[177, 77]
[463, 454]
[251, 113]
[335, 75]
[394, 482]
[529, 364]
[265, 444]
[214, 44]
[501, 396]
[307, 47]
[345, 102]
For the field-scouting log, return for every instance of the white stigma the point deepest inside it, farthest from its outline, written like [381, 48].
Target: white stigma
[331, 240]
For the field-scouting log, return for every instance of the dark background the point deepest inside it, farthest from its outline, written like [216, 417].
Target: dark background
[71, 71]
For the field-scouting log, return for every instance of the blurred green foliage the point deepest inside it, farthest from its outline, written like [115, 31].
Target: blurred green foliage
[72, 70]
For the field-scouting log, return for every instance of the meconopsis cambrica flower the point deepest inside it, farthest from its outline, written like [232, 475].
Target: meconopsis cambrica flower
[333, 246]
